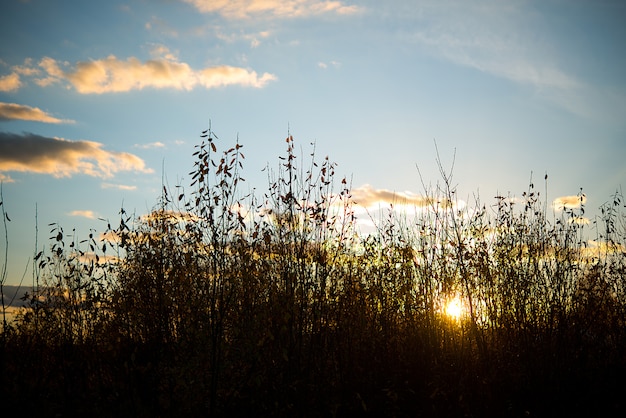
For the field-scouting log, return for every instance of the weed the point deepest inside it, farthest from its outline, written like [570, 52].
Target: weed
[228, 303]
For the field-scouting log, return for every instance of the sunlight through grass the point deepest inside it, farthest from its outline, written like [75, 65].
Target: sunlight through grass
[298, 312]
[454, 308]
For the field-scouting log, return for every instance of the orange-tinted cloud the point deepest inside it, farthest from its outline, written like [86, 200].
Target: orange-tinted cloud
[599, 248]
[241, 9]
[111, 75]
[27, 69]
[153, 220]
[226, 75]
[51, 67]
[569, 202]
[110, 237]
[10, 82]
[14, 111]
[369, 197]
[90, 257]
[63, 158]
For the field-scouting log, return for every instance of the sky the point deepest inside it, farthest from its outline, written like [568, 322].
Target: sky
[102, 102]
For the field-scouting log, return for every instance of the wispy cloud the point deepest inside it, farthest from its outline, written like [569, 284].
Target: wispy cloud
[490, 54]
[63, 158]
[111, 75]
[118, 186]
[6, 179]
[27, 68]
[254, 39]
[326, 65]
[14, 111]
[151, 145]
[158, 51]
[243, 9]
[504, 39]
[493, 37]
[89, 214]
[161, 26]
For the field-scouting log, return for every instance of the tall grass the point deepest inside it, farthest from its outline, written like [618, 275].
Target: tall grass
[227, 303]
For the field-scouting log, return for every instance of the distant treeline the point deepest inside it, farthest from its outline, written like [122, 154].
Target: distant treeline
[222, 303]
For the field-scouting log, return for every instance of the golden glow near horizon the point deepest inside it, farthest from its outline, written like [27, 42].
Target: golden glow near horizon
[454, 308]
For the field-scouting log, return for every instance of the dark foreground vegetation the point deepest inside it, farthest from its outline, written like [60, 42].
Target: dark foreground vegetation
[225, 304]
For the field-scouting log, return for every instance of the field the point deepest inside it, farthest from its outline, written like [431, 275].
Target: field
[225, 304]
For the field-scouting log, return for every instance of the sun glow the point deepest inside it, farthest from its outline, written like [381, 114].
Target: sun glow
[454, 308]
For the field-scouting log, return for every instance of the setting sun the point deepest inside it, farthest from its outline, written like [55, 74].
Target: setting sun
[454, 308]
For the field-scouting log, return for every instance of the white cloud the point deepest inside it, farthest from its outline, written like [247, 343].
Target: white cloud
[63, 158]
[151, 145]
[325, 65]
[14, 111]
[118, 186]
[6, 179]
[89, 214]
[253, 38]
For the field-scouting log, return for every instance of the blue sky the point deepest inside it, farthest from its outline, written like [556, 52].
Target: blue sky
[101, 100]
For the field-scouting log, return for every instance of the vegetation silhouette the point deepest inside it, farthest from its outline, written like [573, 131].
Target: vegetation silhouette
[232, 304]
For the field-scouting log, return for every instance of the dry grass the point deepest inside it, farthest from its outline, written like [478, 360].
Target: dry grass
[228, 304]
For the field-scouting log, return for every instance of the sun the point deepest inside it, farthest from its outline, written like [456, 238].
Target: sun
[454, 308]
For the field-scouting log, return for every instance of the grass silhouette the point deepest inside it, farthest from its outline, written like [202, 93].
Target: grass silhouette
[232, 304]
